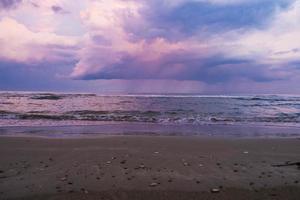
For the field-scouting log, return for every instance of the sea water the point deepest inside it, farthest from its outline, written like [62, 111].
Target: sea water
[186, 113]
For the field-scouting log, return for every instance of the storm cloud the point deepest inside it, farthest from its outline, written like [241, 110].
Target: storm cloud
[212, 42]
[7, 4]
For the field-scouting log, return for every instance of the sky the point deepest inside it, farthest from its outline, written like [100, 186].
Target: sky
[151, 46]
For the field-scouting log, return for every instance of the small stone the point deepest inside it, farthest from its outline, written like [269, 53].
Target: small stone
[201, 165]
[123, 162]
[84, 191]
[245, 152]
[156, 152]
[142, 166]
[108, 162]
[215, 190]
[63, 179]
[153, 184]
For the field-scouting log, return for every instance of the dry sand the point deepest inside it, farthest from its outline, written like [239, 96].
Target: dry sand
[131, 167]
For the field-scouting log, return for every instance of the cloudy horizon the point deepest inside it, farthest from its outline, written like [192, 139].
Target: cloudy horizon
[158, 46]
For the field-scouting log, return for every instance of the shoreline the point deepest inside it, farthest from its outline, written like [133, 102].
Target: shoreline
[147, 167]
[149, 129]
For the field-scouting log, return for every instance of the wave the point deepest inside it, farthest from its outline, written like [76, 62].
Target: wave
[178, 117]
[160, 109]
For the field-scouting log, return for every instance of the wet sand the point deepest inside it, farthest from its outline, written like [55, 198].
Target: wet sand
[142, 167]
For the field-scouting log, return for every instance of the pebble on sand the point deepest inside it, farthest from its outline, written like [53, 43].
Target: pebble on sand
[123, 162]
[84, 191]
[142, 166]
[153, 184]
[215, 190]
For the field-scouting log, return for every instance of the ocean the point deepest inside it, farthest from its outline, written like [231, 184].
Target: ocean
[169, 114]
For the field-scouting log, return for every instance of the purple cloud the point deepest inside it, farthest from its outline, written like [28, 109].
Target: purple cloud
[7, 4]
[58, 10]
[189, 41]
[215, 43]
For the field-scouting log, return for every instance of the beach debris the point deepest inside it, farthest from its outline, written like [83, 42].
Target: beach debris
[113, 158]
[141, 166]
[185, 163]
[246, 152]
[154, 184]
[215, 190]
[84, 191]
[108, 162]
[288, 163]
[156, 152]
[123, 162]
[63, 179]
[200, 165]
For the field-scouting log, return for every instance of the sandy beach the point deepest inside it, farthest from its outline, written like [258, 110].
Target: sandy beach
[143, 167]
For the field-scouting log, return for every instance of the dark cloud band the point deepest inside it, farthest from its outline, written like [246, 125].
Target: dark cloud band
[7, 4]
